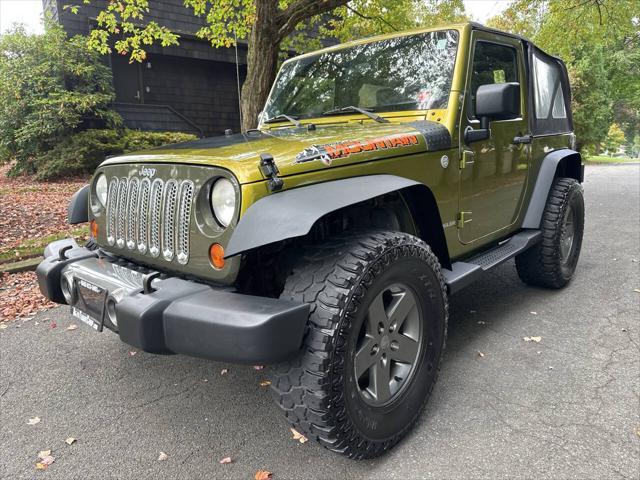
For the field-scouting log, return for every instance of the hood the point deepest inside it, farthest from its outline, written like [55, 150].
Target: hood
[299, 150]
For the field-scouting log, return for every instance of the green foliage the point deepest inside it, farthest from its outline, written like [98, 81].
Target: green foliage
[364, 18]
[615, 139]
[49, 87]
[84, 151]
[124, 18]
[134, 140]
[590, 96]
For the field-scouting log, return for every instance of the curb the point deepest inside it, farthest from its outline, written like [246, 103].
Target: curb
[22, 266]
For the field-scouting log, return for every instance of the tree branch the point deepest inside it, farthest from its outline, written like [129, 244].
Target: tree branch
[288, 19]
[378, 17]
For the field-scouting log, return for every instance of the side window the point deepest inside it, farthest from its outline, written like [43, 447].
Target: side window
[549, 95]
[492, 63]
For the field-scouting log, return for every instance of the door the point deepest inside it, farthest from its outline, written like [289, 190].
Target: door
[493, 172]
[127, 80]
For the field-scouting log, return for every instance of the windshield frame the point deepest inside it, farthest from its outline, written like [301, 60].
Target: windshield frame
[453, 84]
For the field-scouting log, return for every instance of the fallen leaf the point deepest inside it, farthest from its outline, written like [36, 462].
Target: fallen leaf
[41, 466]
[53, 325]
[298, 436]
[224, 371]
[480, 322]
[265, 383]
[263, 475]
[532, 339]
[3, 326]
[44, 453]
[258, 367]
[637, 290]
[225, 460]
[534, 313]
[34, 420]
[162, 457]
[47, 460]
[480, 354]
[132, 353]
[73, 326]
[70, 441]
[550, 368]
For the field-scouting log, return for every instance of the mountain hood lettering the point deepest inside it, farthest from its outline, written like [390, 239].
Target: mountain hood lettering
[332, 151]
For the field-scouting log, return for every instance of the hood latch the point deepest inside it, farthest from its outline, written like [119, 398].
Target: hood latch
[270, 171]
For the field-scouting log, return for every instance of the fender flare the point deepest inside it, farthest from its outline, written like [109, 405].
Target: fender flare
[292, 213]
[572, 167]
[78, 210]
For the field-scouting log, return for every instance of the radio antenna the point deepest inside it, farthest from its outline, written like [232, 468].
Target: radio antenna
[235, 34]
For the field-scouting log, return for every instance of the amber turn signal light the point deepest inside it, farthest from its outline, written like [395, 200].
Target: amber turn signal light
[93, 229]
[216, 255]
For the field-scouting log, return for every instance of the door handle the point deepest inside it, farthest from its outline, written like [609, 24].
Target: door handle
[528, 138]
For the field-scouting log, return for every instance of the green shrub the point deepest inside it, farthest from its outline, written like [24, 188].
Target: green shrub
[82, 152]
[139, 140]
[50, 87]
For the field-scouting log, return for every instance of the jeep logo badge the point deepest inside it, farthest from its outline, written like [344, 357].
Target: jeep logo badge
[147, 172]
[444, 161]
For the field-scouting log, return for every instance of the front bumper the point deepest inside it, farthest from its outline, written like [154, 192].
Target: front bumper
[172, 315]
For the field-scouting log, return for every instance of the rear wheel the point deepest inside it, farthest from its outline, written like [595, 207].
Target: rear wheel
[374, 345]
[552, 262]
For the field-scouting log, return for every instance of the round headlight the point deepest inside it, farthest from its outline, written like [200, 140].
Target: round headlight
[223, 201]
[101, 189]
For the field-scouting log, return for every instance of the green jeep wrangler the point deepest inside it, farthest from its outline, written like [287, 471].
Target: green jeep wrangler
[385, 174]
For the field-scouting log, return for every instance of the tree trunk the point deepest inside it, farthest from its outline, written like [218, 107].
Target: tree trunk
[271, 26]
[262, 62]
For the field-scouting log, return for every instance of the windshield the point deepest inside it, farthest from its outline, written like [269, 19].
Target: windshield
[403, 73]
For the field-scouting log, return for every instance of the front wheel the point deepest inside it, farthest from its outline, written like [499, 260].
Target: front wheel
[374, 344]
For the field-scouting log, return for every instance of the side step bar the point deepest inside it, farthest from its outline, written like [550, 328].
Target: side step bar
[465, 273]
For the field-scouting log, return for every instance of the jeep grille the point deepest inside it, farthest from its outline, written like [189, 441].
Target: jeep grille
[152, 216]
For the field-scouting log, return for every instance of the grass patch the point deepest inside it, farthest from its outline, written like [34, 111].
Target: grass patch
[607, 159]
[34, 247]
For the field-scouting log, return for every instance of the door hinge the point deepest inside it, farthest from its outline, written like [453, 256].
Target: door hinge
[463, 217]
[466, 159]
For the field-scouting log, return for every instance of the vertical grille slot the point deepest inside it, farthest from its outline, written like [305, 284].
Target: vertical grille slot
[155, 201]
[112, 210]
[132, 213]
[183, 220]
[122, 211]
[169, 218]
[143, 214]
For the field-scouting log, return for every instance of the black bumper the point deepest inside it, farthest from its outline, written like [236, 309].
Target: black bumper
[180, 316]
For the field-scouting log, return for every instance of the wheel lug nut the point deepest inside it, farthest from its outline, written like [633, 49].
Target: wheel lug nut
[394, 345]
[375, 349]
[380, 328]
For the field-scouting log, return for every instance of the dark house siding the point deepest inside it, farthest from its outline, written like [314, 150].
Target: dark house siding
[191, 87]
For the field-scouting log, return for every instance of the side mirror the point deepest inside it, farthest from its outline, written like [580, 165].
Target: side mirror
[497, 101]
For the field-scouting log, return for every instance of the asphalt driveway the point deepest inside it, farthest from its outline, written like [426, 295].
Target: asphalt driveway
[566, 407]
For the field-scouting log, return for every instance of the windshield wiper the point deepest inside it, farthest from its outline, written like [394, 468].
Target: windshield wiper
[363, 111]
[286, 117]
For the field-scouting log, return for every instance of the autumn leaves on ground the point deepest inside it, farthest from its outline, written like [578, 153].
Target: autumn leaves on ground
[32, 214]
